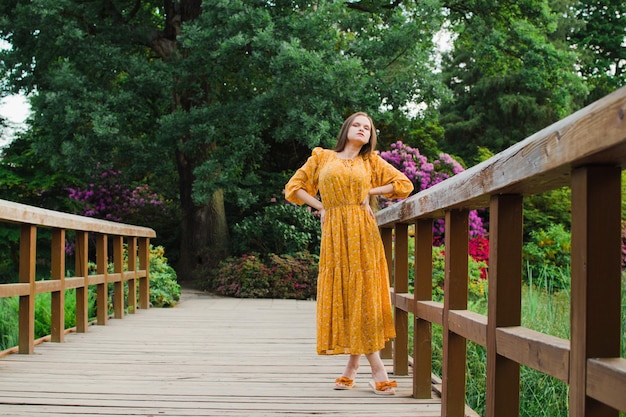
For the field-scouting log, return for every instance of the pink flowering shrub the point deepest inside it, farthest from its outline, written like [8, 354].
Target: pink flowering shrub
[272, 276]
[424, 174]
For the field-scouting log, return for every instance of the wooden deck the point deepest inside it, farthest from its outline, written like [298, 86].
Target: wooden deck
[208, 356]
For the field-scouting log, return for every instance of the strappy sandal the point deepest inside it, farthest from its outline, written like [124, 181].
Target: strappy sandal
[343, 383]
[384, 387]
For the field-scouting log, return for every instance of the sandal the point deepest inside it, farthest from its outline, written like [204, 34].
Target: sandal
[344, 383]
[383, 387]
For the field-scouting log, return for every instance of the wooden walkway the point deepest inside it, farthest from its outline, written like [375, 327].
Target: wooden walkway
[208, 356]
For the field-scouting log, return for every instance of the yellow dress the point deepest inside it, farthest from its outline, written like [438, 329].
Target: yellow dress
[354, 314]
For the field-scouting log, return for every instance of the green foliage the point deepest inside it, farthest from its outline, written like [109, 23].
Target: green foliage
[274, 276]
[546, 209]
[547, 255]
[164, 289]
[600, 39]
[477, 285]
[509, 78]
[164, 292]
[278, 228]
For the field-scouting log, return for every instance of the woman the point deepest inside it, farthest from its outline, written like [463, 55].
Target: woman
[353, 304]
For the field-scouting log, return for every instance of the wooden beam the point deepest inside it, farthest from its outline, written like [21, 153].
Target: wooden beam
[401, 285]
[118, 282]
[541, 162]
[422, 333]
[545, 353]
[82, 282]
[505, 300]
[102, 288]
[386, 234]
[455, 298]
[595, 280]
[57, 306]
[28, 255]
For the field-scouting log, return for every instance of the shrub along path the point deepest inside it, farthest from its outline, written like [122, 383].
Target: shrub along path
[208, 356]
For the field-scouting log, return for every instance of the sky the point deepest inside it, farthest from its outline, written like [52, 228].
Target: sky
[15, 109]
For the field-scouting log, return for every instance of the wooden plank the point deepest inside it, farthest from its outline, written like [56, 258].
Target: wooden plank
[422, 335]
[208, 356]
[505, 300]
[57, 273]
[14, 290]
[470, 325]
[455, 298]
[21, 213]
[595, 279]
[545, 353]
[102, 289]
[539, 163]
[28, 254]
[431, 311]
[606, 381]
[401, 285]
[386, 235]
[82, 270]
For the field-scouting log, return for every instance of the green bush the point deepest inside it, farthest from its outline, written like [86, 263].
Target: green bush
[477, 286]
[164, 288]
[274, 276]
[278, 228]
[547, 254]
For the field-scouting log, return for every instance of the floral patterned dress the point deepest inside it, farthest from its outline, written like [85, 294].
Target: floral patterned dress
[354, 314]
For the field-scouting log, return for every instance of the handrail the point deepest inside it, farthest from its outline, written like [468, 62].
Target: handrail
[106, 233]
[585, 151]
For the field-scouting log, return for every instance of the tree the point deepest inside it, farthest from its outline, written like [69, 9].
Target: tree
[601, 40]
[509, 78]
[209, 95]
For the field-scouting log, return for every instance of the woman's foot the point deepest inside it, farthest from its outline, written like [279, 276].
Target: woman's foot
[346, 381]
[384, 387]
[343, 383]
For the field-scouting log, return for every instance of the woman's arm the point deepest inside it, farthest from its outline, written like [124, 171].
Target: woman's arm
[311, 201]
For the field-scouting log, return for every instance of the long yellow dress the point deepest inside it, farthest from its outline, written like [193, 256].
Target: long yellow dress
[354, 313]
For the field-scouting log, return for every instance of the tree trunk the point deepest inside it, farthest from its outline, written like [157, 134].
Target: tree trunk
[204, 239]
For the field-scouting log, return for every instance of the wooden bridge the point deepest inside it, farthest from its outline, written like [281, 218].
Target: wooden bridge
[255, 357]
[208, 356]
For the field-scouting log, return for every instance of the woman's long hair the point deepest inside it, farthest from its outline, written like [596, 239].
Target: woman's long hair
[342, 138]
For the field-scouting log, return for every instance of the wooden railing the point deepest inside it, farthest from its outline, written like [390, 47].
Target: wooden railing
[106, 234]
[585, 151]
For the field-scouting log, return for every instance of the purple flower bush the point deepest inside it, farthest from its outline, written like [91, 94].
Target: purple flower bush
[108, 198]
[424, 174]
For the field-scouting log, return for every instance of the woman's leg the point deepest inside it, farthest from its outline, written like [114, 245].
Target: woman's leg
[350, 372]
[381, 383]
[379, 373]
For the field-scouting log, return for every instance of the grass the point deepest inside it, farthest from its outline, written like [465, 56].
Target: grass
[544, 310]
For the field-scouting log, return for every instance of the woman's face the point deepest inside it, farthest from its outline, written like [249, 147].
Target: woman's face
[360, 130]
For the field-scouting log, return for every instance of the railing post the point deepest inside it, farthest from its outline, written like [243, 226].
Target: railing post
[102, 290]
[423, 291]
[505, 301]
[28, 240]
[401, 286]
[57, 305]
[386, 234]
[118, 285]
[144, 263]
[132, 282]
[82, 292]
[455, 298]
[596, 276]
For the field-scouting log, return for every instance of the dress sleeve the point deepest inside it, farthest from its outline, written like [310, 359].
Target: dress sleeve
[384, 173]
[306, 178]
